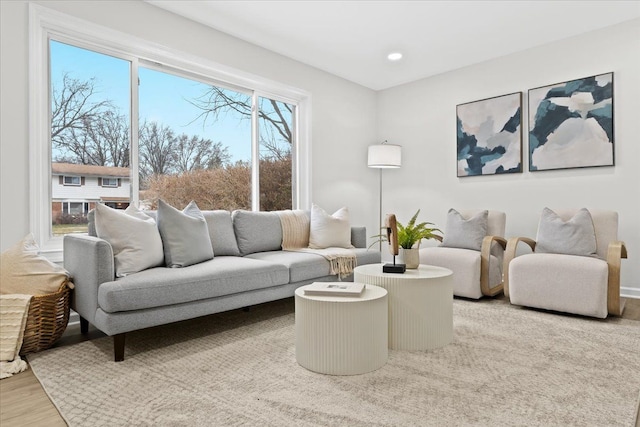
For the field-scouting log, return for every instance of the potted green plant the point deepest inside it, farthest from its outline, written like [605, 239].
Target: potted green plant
[409, 238]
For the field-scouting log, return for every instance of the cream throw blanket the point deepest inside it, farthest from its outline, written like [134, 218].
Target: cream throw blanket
[14, 309]
[295, 238]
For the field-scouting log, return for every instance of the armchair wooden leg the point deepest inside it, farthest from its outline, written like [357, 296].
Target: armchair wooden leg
[84, 325]
[118, 347]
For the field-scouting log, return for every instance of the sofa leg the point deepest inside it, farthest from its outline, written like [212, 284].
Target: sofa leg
[118, 347]
[84, 325]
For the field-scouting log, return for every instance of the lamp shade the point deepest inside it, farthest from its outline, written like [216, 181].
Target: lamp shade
[384, 156]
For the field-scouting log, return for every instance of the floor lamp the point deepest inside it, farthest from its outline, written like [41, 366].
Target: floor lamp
[384, 156]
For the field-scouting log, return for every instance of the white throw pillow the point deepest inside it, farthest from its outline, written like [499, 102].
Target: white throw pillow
[329, 231]
[134, 237]
[575, 236]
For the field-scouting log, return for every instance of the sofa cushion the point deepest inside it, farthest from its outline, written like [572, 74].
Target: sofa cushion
[133, 235]
[223, 238]
[257, 231]
[162, 286]
[306, 266]
[185, 235]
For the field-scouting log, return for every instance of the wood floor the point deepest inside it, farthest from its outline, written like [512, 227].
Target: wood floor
[23, 401]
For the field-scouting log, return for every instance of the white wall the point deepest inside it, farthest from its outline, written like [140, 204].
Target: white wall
[343, 123]
[421, 116]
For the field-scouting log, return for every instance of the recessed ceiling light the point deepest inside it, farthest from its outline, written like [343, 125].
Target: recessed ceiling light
[394, 56]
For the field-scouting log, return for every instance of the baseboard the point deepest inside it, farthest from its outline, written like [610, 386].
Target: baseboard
[630, 292]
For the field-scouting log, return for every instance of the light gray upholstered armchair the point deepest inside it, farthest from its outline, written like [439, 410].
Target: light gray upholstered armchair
[476, 273]
[585, 285]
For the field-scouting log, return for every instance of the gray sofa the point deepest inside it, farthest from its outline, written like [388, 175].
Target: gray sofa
[248, 268]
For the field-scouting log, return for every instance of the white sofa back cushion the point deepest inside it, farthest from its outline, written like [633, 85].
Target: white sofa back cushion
[133, 236]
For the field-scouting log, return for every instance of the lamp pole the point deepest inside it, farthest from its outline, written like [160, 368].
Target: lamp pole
[380, 212]
[383, 156]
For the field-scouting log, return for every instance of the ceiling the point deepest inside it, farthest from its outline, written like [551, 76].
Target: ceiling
[351, 39]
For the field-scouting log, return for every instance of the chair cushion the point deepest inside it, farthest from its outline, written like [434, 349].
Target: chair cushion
[465, 233]
[568, 283]
[257, 231]
[162, 286]
[185, 235]
[465, 264]
[575, 236]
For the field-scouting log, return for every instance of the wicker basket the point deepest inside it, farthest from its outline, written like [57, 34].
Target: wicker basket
[47, 319]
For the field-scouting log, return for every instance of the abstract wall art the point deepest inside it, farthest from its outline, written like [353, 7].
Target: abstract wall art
[490, 136]
[571, 124]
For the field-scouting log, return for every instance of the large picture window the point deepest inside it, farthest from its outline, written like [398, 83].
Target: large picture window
[137, 122]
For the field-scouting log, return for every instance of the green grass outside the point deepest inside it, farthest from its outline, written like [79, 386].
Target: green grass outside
[62, 229]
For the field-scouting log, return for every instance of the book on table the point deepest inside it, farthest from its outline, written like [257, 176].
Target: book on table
[347, 289]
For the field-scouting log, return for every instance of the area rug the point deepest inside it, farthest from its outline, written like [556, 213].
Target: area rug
[506, 366]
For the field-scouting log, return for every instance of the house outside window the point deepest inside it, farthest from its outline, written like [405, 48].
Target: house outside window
[70, 204]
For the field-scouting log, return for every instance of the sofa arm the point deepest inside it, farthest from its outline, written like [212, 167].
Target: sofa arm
[510, 254]
[89, 260]
[359, 237]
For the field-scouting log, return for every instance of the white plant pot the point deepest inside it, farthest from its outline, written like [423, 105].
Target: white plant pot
[410, 257]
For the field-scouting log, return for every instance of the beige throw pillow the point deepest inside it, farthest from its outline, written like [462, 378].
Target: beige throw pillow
[134, 237]
[23, 271]
[329, 231]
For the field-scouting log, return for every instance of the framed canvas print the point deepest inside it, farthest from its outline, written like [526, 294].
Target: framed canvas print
[489, 135]
[571, 124]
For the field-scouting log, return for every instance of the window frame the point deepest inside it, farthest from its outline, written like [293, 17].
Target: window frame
[71, 184]
[45, 22]
[109, 178]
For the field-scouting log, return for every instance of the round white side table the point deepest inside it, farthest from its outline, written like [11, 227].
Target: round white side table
[340, 335]
[420, 304]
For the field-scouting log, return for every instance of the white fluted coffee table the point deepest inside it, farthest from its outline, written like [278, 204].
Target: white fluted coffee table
[420, 304]
[340, 335]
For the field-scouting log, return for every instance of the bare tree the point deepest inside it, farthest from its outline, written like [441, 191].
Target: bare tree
[228, 188]
[276, 134]
[86, 130]
[193, 153]
[73, 106]
[102, 141]
[155, 148]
